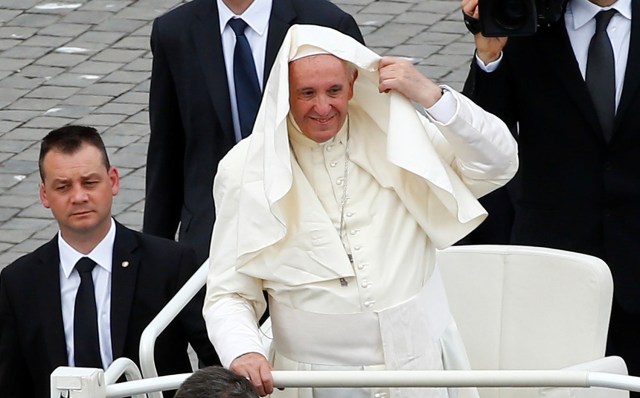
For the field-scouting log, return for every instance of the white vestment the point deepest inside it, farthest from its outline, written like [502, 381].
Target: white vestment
[412, 188]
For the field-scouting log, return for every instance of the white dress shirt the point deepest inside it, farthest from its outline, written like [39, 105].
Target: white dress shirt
[257, 19]
[579, 19]
[102, 254]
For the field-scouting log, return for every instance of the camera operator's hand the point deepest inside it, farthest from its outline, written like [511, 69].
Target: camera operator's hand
[487, 48]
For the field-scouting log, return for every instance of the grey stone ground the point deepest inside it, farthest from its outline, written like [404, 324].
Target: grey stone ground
[88, 62]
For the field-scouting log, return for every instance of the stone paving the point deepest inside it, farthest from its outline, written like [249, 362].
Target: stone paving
[89, 62]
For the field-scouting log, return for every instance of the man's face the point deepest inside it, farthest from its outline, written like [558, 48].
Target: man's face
[79, 190]
[320, 88]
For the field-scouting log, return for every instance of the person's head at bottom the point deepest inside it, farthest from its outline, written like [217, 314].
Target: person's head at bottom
[216, 382]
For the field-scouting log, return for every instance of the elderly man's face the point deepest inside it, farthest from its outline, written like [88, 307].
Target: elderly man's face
[320, 87]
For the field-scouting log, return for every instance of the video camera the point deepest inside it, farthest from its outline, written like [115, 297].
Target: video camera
[514, 17]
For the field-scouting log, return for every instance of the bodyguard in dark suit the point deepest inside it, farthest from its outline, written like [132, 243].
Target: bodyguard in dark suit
[134, 277]
[191, 109]
[579, 186]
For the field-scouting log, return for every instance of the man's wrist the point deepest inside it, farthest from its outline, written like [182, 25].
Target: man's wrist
[488, 57]
[444, 109]
[488, 67]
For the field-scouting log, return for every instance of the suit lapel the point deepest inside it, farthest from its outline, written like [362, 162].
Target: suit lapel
[124, 275]
[282, 15]
[631, 76]
[205, 33]
[50, 303]
[562, 61]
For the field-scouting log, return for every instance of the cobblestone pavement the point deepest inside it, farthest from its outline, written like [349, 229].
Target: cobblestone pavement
[88, 62]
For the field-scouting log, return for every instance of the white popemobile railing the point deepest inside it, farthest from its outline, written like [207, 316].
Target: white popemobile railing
[165, 316]
[84, 383]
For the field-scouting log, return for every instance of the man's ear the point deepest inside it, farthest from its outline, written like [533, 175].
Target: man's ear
[353, 82]
[43, 195]
[114, 177]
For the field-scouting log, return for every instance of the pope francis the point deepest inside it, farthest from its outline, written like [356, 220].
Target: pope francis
[357, 170]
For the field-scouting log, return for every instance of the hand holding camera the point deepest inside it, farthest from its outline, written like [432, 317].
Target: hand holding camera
[499, 18]
[488, 49]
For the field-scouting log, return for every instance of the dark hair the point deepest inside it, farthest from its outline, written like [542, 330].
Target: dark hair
[68, 140]
[216, 382]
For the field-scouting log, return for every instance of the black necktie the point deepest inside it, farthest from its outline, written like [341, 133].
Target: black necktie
[86, 345]
[245, 79]
[601, 73]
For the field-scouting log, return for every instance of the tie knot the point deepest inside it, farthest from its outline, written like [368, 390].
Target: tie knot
[238, 25]
[603, 18]
[85, 264]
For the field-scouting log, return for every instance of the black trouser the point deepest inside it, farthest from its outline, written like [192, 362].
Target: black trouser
[624, 339]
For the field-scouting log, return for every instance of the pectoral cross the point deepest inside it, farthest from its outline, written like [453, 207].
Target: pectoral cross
[343, 281]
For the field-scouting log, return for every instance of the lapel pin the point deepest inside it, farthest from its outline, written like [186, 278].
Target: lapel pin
[125, 264]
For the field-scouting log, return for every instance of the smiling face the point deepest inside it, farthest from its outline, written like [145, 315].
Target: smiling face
[320, 87]
[78, 188]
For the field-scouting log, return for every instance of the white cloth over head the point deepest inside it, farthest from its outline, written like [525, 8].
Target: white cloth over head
[454, 212]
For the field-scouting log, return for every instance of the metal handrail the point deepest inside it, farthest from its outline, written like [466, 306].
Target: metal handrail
[165, 316]
[391, 378]
[118, 368]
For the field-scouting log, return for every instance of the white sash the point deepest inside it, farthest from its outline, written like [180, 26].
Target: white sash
[397, 336]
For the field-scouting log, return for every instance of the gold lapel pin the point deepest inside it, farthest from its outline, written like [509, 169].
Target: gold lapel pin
[125, 264]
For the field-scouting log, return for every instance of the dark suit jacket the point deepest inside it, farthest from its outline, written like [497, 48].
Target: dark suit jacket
[576, 191]
[32, 341]
[190, 111]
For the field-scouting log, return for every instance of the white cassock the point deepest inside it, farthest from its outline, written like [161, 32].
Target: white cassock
[410, 185]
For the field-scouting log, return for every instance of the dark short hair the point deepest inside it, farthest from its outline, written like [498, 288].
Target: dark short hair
[68, 140]
[216, 382]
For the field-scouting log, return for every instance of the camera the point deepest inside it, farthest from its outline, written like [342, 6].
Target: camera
[517, 17]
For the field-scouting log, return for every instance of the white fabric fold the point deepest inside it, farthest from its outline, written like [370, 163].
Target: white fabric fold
[267, 177]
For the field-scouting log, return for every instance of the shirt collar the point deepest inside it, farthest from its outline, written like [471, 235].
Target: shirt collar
[584, 10]
[102, 254]
[256, 16]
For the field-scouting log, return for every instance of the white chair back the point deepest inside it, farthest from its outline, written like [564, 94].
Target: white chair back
[528, 307]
